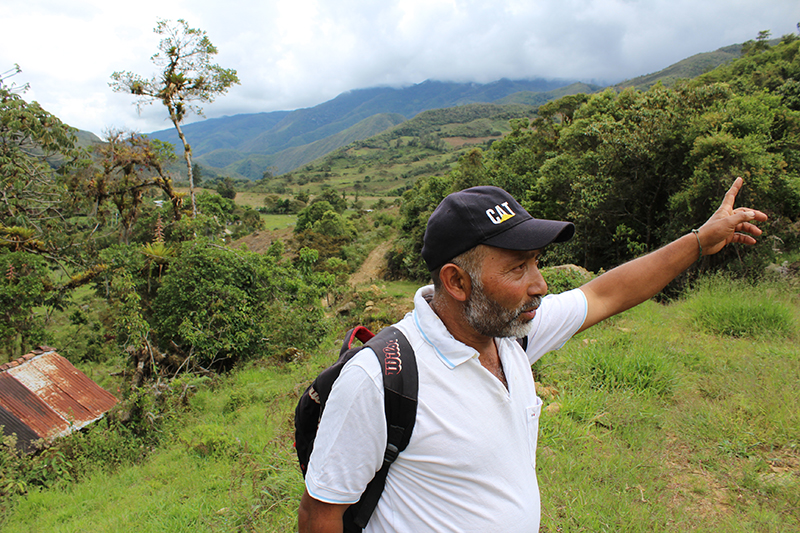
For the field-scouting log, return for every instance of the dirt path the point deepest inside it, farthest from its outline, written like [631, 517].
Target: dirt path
[373, 265]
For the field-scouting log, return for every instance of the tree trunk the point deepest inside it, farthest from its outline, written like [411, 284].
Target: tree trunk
[138, 374]
[187, 155]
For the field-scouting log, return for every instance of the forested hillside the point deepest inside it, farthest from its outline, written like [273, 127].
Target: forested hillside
[686, 69]
[248, 145]
[387, 164]
[633, 169]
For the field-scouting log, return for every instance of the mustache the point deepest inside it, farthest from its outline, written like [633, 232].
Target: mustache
[532, 305]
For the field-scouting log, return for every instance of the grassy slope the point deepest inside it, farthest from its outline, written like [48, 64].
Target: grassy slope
[229, 162]
[652, 423]
[685, 69]
[537, 99]
[392, 161]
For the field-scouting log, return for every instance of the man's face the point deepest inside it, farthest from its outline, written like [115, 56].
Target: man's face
[505, 294]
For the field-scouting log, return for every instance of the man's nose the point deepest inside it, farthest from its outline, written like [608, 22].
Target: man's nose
[537, 285]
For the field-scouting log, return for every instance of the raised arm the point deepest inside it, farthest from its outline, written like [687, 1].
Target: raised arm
[636, 281]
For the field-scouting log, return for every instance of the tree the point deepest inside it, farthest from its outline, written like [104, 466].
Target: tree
[311, 214]
[197, 174]
[337, 202]
[23, 284]
[332, 224]
[10, 73]
[217, 306]
[470, 170]
[227, 189]
[36, 150]
[187, 76]
[128, 166]
[269, 173]
[762, 41]
[301, 196]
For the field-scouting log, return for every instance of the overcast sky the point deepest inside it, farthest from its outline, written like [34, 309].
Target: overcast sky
[299, 53]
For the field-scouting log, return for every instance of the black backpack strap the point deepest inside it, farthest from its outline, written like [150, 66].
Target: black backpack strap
[312, 402]
[401, 386]
[523, 341]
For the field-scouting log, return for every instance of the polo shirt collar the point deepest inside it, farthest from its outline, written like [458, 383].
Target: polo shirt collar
[451, 351]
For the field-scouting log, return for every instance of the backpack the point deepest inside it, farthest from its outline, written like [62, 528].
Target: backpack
[400, 382]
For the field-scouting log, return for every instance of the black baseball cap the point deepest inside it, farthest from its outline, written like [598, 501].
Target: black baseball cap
[486, 215]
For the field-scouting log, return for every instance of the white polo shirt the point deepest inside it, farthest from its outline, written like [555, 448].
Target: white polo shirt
[470, 464]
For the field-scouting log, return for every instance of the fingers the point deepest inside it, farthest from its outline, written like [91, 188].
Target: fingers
[753, 213]
[734, 225]
[742, 238]
[730, 196]
[741, 221]
[746, 227]
[745, 214]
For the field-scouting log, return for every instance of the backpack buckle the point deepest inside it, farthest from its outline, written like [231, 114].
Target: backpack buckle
[390, 454]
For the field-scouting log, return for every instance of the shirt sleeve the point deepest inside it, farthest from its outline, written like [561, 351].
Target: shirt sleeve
[351, 439]
[558, 318]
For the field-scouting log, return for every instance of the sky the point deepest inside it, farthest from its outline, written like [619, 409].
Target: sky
[292, 54]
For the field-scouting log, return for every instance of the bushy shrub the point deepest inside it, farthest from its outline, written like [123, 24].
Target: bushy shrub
[211, 440]
[222, 305]
[565, 278]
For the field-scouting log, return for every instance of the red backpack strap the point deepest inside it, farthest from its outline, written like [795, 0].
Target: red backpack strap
[359, 332]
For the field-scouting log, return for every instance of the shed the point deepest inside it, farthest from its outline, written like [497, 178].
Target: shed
[43, 396]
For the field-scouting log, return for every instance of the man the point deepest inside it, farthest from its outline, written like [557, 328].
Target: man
[470, 464]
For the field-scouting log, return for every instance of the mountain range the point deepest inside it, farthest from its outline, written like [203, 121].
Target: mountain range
[248, 145]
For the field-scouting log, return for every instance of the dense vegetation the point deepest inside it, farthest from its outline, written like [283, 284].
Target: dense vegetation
[101, 259]
[634, 170]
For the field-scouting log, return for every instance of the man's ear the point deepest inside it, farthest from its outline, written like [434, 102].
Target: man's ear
[455, 281]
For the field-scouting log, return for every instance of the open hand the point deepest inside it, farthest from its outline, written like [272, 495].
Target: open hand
[729, 225]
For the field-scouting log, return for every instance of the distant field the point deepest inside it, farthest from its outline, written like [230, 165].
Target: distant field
[253, 199]
[274, 222]
[458, 142]
[256, 200]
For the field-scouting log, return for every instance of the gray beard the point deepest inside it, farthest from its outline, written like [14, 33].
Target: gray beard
[491, 319]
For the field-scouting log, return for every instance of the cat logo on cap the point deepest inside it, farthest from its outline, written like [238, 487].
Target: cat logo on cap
[498, 215]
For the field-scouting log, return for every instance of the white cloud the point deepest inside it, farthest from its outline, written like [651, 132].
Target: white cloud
[304, 52]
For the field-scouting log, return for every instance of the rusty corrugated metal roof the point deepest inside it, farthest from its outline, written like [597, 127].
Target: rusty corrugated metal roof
[14, 426]
[45, 393]
[29, 408]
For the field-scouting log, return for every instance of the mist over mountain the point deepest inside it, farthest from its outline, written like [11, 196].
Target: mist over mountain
[247, 145]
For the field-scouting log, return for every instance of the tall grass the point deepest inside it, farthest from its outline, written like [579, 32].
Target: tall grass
[741, 309]
[658, 420]
[639, 367]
